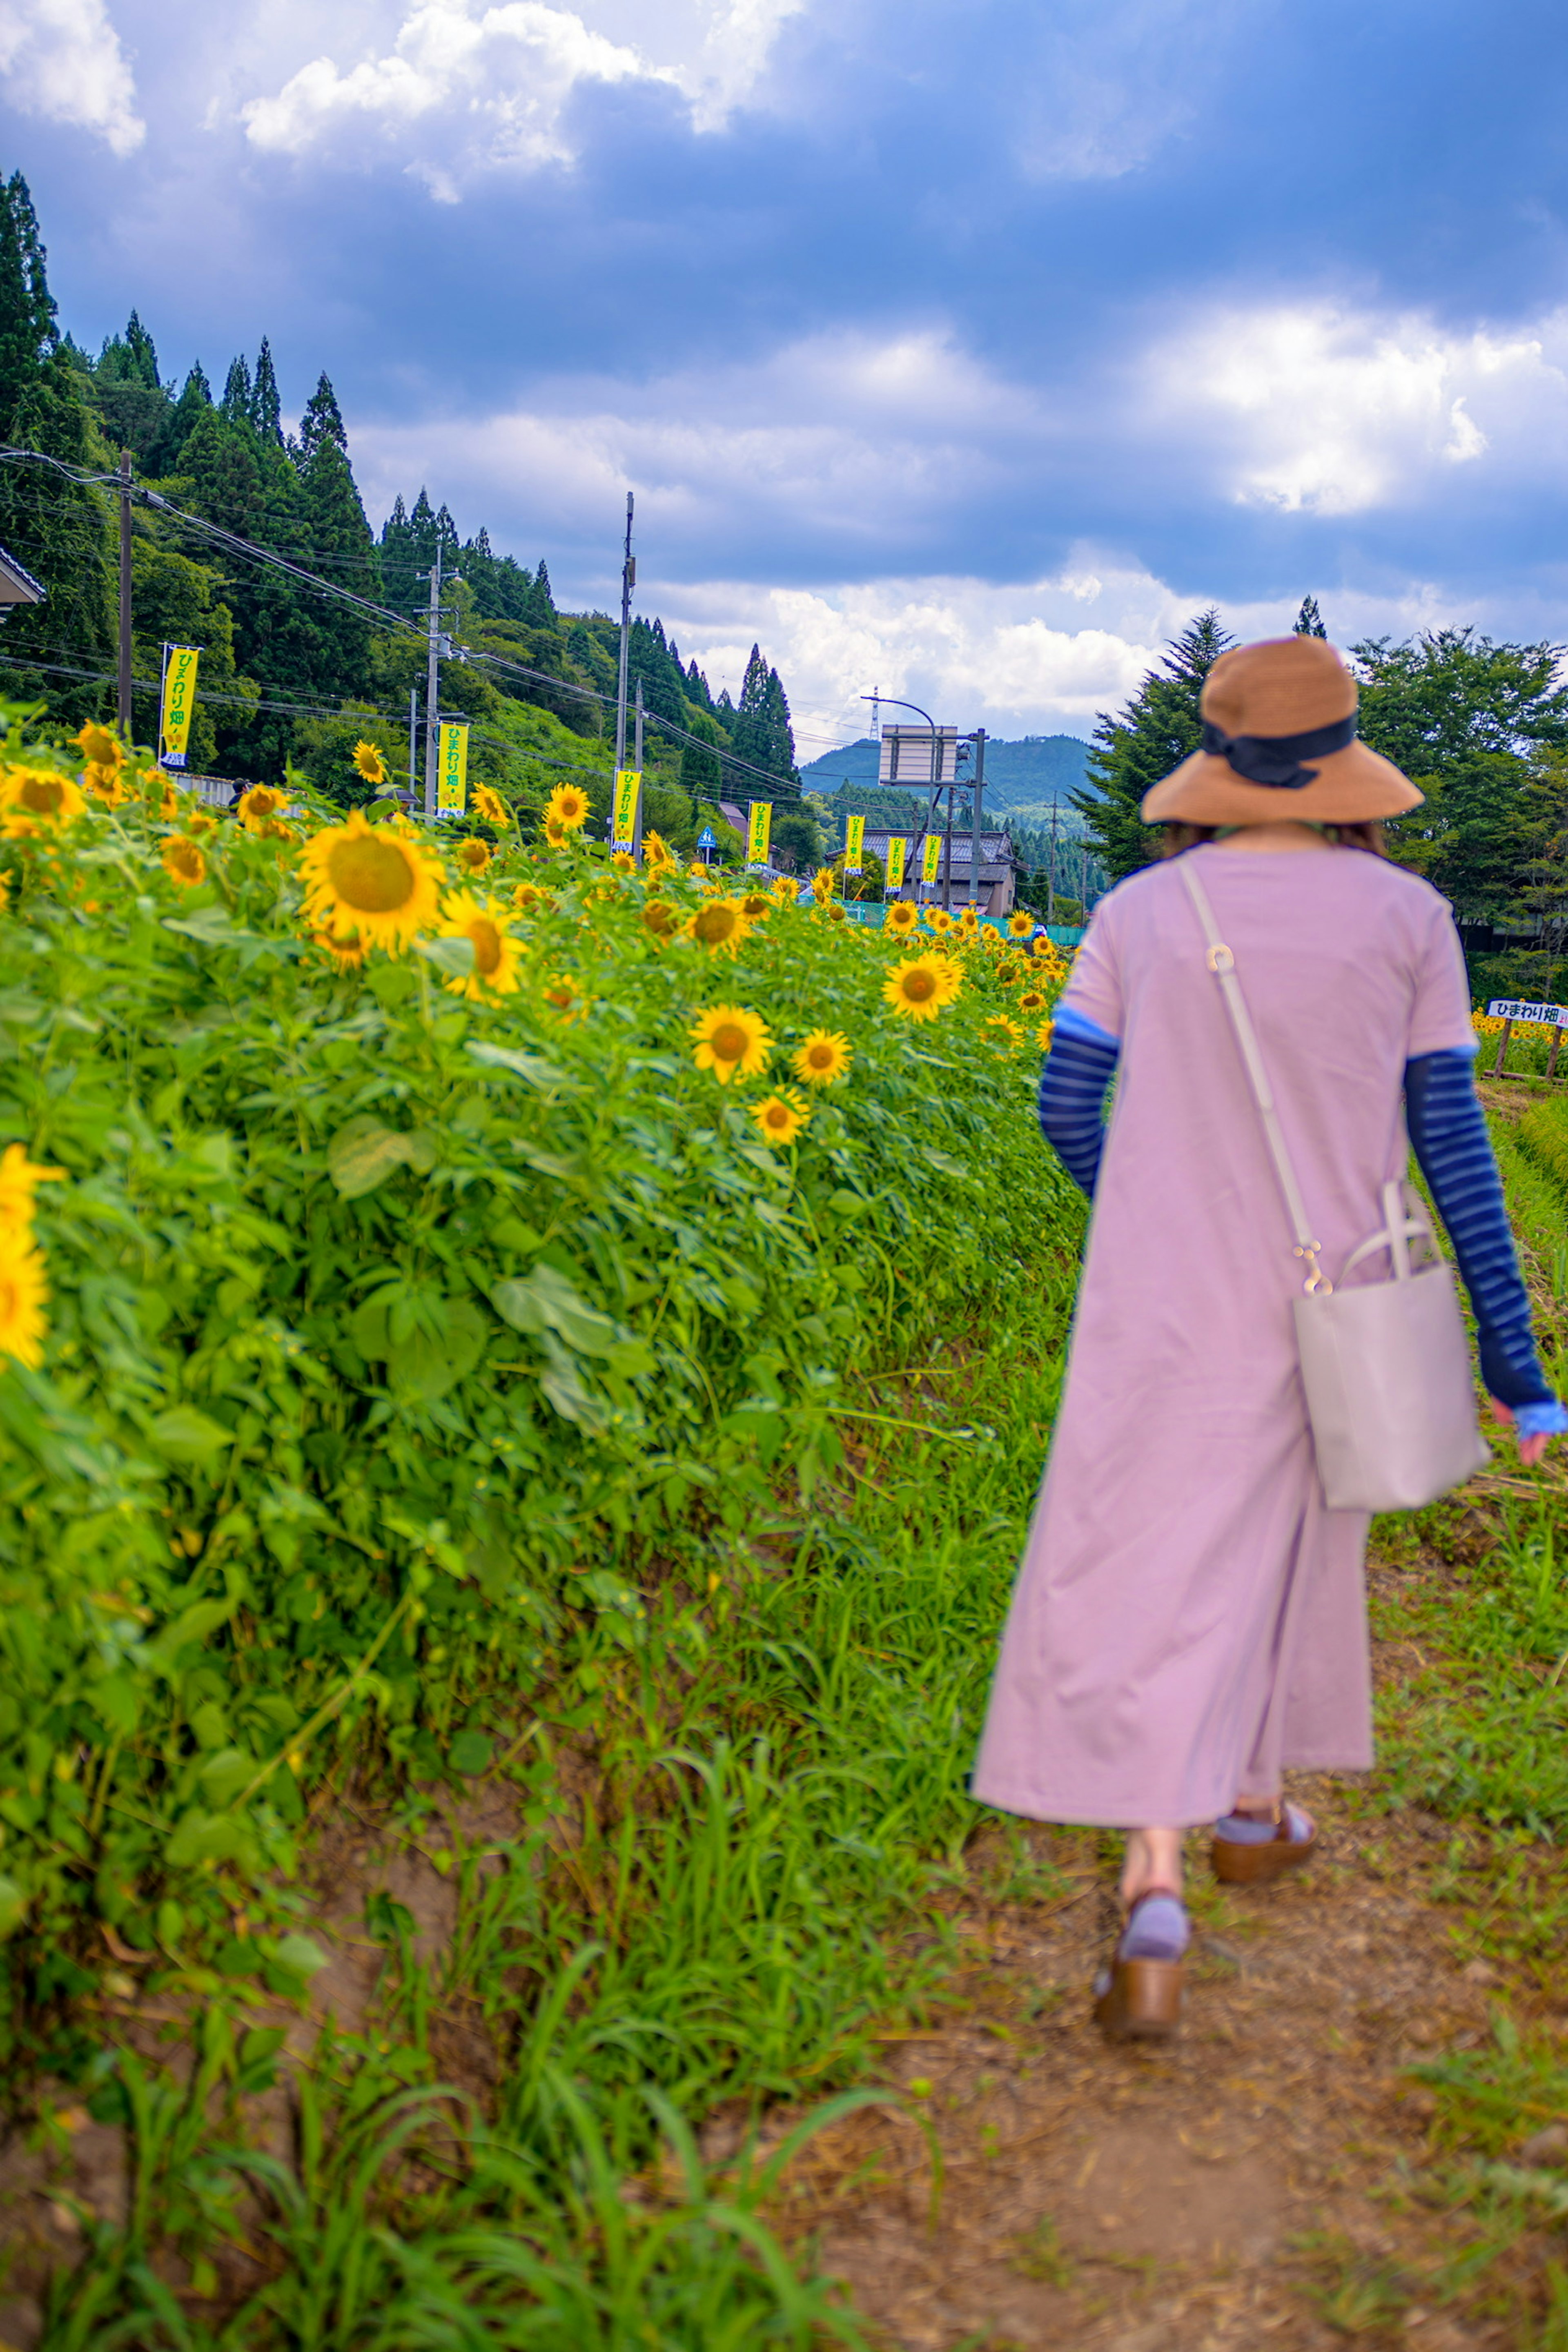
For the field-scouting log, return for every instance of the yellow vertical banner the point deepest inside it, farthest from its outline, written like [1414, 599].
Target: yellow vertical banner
[854, 842]
[930, 863]
[452, 774]
[759, 832]
[179, 705]
[897, 846]
[623, 819]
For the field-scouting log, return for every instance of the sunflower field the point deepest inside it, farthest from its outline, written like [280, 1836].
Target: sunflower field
[425, 1265]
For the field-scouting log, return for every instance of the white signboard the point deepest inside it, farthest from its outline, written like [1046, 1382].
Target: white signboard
[1507, 1008]
[907, 757]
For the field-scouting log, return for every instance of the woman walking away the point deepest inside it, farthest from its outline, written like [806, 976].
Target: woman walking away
[1190, 1618]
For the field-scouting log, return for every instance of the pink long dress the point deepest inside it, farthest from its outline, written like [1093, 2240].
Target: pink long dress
[1190, 1616]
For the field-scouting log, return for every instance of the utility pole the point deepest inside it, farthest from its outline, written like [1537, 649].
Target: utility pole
[628, 582]
[123, 702]
[979, 789]
[1051, 874]
[947, 846]
[432, 688]
[413, 744]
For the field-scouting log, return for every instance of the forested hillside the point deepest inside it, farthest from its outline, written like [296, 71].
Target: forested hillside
[289, 674]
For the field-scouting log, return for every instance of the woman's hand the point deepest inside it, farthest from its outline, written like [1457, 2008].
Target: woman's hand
[1530, 1449]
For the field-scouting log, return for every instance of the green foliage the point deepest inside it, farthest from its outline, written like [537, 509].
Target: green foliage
[1154, 733]
[1308, 621]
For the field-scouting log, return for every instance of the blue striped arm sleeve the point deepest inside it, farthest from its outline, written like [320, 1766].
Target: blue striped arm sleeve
[1079, 1068]
[1448, 1130]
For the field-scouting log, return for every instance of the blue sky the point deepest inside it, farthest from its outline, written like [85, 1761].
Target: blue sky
[960, 350]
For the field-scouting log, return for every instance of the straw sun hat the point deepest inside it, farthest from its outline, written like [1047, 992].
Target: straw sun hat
[1279, 741]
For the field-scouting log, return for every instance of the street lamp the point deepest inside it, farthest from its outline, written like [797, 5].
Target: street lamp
[935, 781]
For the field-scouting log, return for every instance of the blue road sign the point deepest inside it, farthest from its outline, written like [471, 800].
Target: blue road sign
[707, 838]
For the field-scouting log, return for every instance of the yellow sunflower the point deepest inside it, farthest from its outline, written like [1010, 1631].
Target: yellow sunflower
[919, 987]
[564, 996]
[781, 1117]
[367, 878]
[369, 763]
[902, 916]
[784, 891]
[660, 918]
[731, 1041]
[527, 896]
[261, 806]
[697, 872]
[622, 861]
[555, 832]
[199, 820]
[969, 920]
[939, 920]
[1043, 1035]
[471, 854]
[23, 1291]
[657, 855]
[568, 803]
[720, 926]
[40, 792]
[991, 939]
[489, 806]
[1019, 924]
[183, 862]
[822, 884]
[348, 953]
[19, 1181]
[103, 782]
[1007, 976]
[480, 921]
[756, 905]
[826, 1056]
[100, 745]
[999, 1031]
[1032, 1001]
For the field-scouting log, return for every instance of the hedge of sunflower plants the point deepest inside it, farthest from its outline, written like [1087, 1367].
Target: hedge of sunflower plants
[404, 1234]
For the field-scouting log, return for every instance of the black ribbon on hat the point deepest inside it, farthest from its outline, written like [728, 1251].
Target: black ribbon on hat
[1276, 759]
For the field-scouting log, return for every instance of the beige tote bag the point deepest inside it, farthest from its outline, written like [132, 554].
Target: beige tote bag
[1385, 1365]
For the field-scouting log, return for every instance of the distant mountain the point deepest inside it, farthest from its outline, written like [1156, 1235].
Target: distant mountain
[1027, 773]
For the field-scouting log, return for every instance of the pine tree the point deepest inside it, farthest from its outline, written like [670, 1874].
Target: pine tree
[542, 603]
[1309, 620]
[194, 401]
[761, 734]
[323, 421]
[63, 533]
[236, 402]
[342, 549]
[1154, 733]
[266, 407]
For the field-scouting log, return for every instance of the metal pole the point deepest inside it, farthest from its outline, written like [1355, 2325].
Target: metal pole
[413, 742]
[123, 698]
[637, 818]
[432, 688]
[979, 791]
[628, 582]
[1051, 874]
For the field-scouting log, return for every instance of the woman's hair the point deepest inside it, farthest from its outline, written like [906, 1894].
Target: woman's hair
[1368, 836]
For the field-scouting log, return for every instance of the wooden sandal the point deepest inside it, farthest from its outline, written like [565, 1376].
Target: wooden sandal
[1139, 2000]
[1250, 1863]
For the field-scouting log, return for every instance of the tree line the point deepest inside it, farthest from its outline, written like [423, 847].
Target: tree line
[290, 677]
[1481, 728]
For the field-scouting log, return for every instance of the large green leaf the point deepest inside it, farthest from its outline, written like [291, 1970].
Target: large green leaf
[545, 1300]
[363, 1154]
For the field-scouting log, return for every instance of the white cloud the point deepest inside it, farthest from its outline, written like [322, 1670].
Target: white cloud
[62, 59]
[1330, 411]
[496, 80]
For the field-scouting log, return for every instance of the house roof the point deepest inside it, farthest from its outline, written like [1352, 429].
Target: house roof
[996, 848]
[18, 585]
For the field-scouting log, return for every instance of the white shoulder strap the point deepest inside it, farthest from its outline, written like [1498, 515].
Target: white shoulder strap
[1222, 964]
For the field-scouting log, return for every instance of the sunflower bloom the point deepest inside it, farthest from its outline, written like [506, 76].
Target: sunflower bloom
[42, 793]
[1043, 1035]
[479, 922]
[489, 806]
[623, 862]
[103, 782]
[822, 884]
[527, 896]
[99, 745]
[568, 803]
[369, 763]
[23, 1291]
[19, 1181]
[781, 1117]
[784, 892]
[661, 919]
[902, 918]
[1019, 925]
[826, 1056]
[697, 872]
[1000, 1030]
[720, 926]
[1032, 1001]
[565, 997]
[920, 988]
[939, 920]
[657, 855]
[199, 820]
[367, 878]
[756, 905]
[731, 1041]
[348, 953]
[183, 862]
[259, 806]
[555, 832]
[472, 855]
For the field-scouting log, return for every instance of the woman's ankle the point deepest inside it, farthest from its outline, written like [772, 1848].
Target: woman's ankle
[1154, 1859]
[1258, 1808]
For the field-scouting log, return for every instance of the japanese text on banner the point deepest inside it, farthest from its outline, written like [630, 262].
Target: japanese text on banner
[178, 706]
[854, 842]
[452, 776]
[624, 820]
[1550, 1016]
[896, 848]
[759, 832]
[931, 860]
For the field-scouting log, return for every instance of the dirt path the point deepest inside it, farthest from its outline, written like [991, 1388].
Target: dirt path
[1250, 2185]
